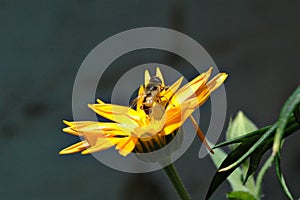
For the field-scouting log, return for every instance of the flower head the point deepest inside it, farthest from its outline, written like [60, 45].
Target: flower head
[158, 113]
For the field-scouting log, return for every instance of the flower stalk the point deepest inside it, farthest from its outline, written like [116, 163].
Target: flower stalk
[177, 183]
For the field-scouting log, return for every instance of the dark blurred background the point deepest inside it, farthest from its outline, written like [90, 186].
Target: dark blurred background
[43, 44]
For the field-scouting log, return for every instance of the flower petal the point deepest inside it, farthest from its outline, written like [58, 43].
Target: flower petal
[102, 144]
[168, 93]
[93, 136]
[155, 124]
[178, 122]
[128, 147]
[189, 90]
[159, 75]
[216, 81]
[120, 114]
[100, 101]
[80, 146]
[81, 128]
[71, 131]
[147, 77]
[177, 116]
[202, 78]
[140, 99]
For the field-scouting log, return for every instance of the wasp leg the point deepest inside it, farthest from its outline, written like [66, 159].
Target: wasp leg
[200, 134]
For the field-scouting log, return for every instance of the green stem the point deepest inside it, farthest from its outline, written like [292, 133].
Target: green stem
[177, 183]
[261, 174]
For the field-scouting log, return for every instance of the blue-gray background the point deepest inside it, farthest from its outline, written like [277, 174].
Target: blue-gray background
[43, 44]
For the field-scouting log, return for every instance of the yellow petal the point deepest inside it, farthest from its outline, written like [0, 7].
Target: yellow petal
[187, 91]
[67, 123]
[216, 81]
[140, 99]
[122, 143]
[128, 148]
[72, 131]
[93, 136]
[201, 98]
[177, 116]
[104, 128]
[173, 112]
[203, 76]
[79, 124]
[119, 114]
[91, 125]
[73, 127]
[102, 144]
[100, 102]
[168, 93]
[178, 122]
[75, 148]
[159, 75]
[155, 125]
[147, 77]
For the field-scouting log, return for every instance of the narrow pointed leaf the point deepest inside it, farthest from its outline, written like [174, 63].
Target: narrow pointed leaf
[297, 113]
[281, 178]
[235, 179]
[257, 144]
[287, 109]
[256, 157]
[221, 176]
[254, 134]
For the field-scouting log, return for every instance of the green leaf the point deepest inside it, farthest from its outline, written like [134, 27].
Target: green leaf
[286, 111]
[260, 138]
[297, 113]
[239, 126]
[240, 195]
[256, 157]
[260, 142]
[235, 179]
[220, 176]
[281, 178]
[254, 134]
[237, 157]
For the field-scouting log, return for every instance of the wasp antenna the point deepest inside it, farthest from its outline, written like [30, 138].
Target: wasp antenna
[159, 75]
[147, 77]
[200, 134]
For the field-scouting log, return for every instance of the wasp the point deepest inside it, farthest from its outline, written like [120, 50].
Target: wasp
[151, 95]
[154, 103]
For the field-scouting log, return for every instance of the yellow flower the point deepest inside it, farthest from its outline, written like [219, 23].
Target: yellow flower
[136, 130]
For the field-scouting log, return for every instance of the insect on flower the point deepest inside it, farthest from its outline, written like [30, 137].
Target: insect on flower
[153, 103]
[150, 95]
[150, 119]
